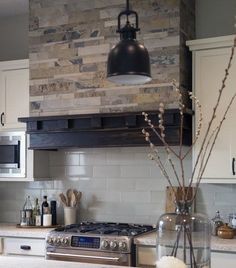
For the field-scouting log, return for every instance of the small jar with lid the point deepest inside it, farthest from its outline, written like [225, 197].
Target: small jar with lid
[232, 220]
[216, 222]
[225, 232]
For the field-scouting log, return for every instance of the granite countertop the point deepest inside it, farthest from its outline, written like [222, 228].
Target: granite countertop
[7, 229]
[217, 244]
[28, 262]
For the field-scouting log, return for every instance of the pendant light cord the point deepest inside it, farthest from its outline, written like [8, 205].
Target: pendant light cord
[127, 5]
[127, 11]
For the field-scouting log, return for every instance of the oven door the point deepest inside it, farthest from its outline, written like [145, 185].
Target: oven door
[98, 257]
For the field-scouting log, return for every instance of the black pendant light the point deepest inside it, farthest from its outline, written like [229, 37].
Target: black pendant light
[128, 61]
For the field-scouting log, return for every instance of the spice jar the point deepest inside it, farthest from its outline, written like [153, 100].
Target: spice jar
[225, 232]
[232, 220]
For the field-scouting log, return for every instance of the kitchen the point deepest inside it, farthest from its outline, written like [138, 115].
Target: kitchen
[118, 179]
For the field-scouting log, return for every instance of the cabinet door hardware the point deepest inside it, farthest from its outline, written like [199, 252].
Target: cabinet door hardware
[2, 121]
[25, 247]
[233, 165]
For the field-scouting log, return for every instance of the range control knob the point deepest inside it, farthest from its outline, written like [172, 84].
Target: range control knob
[65, 241]
[50, 240]
[113, 244]
[61, 240]
[54, 240]
[58, 240]
[105, 244]
[122, 245]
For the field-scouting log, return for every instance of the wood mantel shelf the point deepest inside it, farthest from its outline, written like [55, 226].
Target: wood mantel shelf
[102, 130]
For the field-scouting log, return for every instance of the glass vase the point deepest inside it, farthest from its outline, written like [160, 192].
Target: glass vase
[185, 236]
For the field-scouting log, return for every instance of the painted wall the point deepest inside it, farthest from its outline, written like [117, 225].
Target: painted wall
[14, 38]
[215, 18]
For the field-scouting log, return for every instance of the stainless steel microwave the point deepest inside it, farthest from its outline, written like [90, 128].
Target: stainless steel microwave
[12, 154]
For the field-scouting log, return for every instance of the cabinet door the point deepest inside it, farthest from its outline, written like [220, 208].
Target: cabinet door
[146, 256]
[1, 245]
[24, 246]
[210, 68]
[220, 259]
[15, 96]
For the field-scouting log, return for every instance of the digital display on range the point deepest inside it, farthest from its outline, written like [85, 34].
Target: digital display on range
[85, 242]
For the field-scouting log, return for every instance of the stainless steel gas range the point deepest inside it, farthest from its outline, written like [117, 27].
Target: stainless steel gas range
[95, 242]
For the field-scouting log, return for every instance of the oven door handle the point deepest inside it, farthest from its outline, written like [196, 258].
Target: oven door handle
[116, 259]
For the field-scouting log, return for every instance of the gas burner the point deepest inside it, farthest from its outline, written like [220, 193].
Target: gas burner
[106, 228]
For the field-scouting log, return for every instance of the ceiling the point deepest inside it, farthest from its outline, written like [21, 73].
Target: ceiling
[13, 7]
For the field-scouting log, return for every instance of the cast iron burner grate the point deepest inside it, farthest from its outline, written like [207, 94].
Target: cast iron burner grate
[106, 228]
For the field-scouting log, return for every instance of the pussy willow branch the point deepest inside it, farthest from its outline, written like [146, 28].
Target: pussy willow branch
[213, 113]
[161, 136]
[181, 112]
[157, 134]
[199, 123]
[162, 131]
[155, 156]
[206, 150]
[213, 143]
[185, 231]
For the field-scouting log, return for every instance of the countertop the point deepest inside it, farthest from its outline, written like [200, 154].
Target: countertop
[27, 262]
[7, 229]
[217, 244]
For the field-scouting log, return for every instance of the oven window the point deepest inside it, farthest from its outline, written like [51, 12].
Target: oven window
[10, 156]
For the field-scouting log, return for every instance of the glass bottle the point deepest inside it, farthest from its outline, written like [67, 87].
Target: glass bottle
[27, 204]
[28, 211]
[185, 236]
[36, 213]
[45, 208]
[216, 222]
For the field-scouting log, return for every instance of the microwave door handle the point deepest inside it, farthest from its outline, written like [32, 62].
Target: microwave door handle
[114, 259]
[18, 155]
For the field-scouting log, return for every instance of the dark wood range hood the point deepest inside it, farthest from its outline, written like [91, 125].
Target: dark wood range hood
[102, 130]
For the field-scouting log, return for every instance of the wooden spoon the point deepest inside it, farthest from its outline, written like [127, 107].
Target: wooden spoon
[69, 193]
[73, 202]
[78, 197]
[63, 199]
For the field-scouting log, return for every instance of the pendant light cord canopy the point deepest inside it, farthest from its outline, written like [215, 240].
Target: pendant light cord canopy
[128, 61]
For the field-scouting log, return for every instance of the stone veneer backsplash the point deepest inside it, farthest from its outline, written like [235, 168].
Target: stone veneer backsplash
[118, 184]
[69, 41]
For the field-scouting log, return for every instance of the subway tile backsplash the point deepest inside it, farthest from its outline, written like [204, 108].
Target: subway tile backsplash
[118, 184]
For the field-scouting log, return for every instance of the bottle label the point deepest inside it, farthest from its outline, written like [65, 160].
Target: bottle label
[38, 220]
[46, 210]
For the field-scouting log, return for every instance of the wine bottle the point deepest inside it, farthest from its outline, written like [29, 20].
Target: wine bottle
[53, 205]
[45, 208]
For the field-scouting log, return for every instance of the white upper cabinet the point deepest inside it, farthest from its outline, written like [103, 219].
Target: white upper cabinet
[14, 93]
[210, 59]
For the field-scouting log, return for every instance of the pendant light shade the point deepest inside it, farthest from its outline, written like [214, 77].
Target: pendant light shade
[128, 61]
